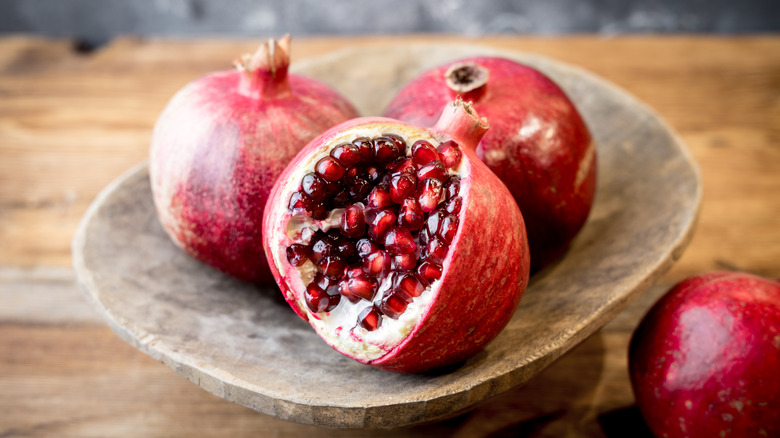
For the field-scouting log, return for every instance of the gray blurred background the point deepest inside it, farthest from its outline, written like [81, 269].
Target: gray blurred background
[94, 22]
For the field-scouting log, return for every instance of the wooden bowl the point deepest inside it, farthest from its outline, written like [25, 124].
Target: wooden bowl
[245, 344]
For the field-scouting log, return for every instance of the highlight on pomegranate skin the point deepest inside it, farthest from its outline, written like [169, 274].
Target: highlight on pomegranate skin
[394, 257]
[218, 147]
[538, 143]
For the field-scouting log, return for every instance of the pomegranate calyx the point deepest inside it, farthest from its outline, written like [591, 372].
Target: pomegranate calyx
[467, 80]
[460, 122]
[265, 71]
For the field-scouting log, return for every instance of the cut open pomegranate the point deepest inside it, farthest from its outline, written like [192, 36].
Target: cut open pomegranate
[394, 257]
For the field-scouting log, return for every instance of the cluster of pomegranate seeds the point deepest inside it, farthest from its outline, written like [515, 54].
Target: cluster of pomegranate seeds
[400, 214]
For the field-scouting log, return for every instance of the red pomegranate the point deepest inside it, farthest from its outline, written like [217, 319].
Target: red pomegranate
[220, 144]
[705, 360]
[395, 258]
[538, 143]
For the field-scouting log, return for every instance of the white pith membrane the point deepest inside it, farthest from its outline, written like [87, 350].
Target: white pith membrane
[339, 327]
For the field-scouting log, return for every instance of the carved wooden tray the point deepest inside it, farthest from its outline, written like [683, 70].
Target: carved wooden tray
[246, 345]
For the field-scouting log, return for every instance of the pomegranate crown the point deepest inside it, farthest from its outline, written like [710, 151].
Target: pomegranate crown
[273, 57]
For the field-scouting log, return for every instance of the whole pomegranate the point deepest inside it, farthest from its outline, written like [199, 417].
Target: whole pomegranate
[220, 144]
[397, 245]
[705, 360]
[538, 143]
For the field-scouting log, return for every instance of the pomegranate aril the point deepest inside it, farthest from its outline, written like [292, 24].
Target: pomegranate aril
[429, 271]
[332, 266]
[373, 173]
[353, 223]
[347, 154]
[365, 247]
[333, 187]
[343, 290]
[452, 187]
[318, 300]
[323, 282]
[297, 254]
[399, 142]
[319, 211]
[436, 250]
[423, 153]
[380, 197]
[341, 199]
[404, 262]
[314, 187]
[322, 246]
[454, 205]
[393, 305]
[403, 165]
[361, 285]
[299, 203]
[385, 149]
[377, 263]
[329, 169]
[401, 186]
[433, 222]
[410, 214]
[409, 285]
[399, 240]
[381, 224]
[365, 147]
[359, 189]
[434, 169]
[450, 154]
[429, 194]
[448, 228]
[370, 318]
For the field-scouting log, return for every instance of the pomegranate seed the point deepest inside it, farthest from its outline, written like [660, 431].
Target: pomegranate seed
[436, 250]
[317, 300]
[452, 187]
[410, 214]
[329, 169]
[347, 154]
[373, 173]
[314, 186]
[332, 266]
[365, 147]
[450, 154]
[343, 289]
[322, 247]
[433, 222]
[454, 205]
[359, 189]
[333, 187]
[404, 262]
[380, 197]
[429, 271]
[399, 240]
[299, 203]
[319, 211]
[377, 263]
[347, 250]
[370, 318]
[424, 237]
[429, 194]
[297, 254]
[434, 169]
[403, 165]
[400, 143]
[385, 149]
[423, 153]
[393, 305]
[401, 186]
[448, 228]
[365, 247]
[353, 223]
[341, 199]
[362, 286]
[381, 224]
[409, 285]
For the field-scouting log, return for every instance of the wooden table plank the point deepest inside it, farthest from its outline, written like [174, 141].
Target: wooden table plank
[72, 122]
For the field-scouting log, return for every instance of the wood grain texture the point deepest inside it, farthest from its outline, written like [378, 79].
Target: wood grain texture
[70, 123]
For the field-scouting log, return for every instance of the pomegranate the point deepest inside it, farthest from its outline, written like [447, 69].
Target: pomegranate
[396, 259]
[705, 360]
[538, 143]
[218, 147]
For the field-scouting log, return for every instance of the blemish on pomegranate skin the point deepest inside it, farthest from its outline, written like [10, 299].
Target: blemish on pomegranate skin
[688, 404]
[776, 342]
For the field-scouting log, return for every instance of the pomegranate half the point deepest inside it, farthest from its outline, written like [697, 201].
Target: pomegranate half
[705, 360]
[218, 147]
[398, 246]
[538, 143]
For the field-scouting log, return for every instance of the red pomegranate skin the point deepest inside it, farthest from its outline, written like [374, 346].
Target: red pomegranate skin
[217, 149]
[481, 286]
[538, 145]
[705, 360]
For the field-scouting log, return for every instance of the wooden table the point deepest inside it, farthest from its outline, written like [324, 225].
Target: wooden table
[70, 122]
